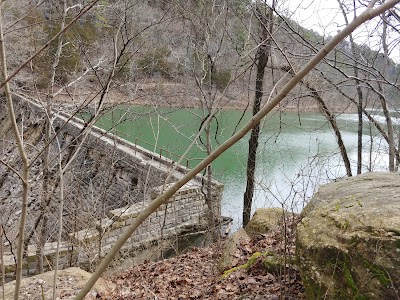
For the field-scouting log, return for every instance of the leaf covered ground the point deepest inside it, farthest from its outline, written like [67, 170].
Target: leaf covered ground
[195, 275]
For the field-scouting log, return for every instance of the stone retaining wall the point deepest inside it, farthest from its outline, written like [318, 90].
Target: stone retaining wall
[109, 182]
[186, 212]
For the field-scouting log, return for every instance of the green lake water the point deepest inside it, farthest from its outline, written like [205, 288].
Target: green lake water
[296, 152]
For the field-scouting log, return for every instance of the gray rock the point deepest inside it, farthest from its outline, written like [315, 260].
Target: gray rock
[264, 219]
[348, 242]
[230, 247]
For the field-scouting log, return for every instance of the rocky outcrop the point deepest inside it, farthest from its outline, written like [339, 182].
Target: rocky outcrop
[348, 242]
[230, 247]
[264, 219]
[262, 222]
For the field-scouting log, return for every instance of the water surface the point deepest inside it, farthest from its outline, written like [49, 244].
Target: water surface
[296, 152]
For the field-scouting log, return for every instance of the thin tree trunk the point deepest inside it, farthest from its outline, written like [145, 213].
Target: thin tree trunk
[3, 269]
[354, 53]
[329, 116]
[60, 227]
[332, 121]
[262, 56]
[385, 109]
[45, 200]
[209, 197]
[24, 158]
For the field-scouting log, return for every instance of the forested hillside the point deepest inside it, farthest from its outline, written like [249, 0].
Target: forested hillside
[186, 53]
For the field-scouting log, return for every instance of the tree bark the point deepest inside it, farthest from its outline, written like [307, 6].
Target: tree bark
[24, 158]
[354, 53]
[263, 53]
[384, 105]
[3, 269]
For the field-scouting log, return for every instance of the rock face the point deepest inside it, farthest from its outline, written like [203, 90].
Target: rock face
[348, 242]
[230, 247]
[264, 219]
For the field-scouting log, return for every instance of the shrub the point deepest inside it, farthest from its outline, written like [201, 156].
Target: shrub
[221, 78]
[155, 62]
[79, 36]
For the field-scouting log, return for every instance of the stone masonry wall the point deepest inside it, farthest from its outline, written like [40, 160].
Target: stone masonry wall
[106, 186]
[186, 212]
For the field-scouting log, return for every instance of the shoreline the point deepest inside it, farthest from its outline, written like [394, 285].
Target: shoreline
[177, 95]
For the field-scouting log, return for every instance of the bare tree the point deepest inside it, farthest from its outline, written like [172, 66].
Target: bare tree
[3, 269]
[211, 154]
[389, 123]
[355, 56]
[25, 169]
[263, 53]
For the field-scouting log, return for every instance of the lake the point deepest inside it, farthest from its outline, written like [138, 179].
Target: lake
[297, 152]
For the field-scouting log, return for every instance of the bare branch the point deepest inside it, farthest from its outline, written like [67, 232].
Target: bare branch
[12, 169]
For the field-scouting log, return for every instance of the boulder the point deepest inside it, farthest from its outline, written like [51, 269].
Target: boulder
[230, 247]
[69, 283]
[264, 219]
[348, 242]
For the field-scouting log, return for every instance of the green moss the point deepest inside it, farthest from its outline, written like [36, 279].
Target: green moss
[338, 269]
[349, 278]
[354, 241]
[312, 289]
[274, 265]
[398, 243]
[378, 273]
[254, 257]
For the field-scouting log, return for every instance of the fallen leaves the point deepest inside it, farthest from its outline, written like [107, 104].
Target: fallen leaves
[194, 275]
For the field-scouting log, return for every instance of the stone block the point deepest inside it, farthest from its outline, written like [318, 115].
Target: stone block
[86, 235]
[107, 224]
[127, 212]
[264, 219]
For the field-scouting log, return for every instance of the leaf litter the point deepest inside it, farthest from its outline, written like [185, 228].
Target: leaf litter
[195, 275]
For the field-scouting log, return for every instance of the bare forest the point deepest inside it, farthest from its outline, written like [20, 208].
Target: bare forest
[67, 186]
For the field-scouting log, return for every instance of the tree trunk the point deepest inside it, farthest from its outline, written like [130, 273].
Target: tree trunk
[385, 109]
[3, 271]
[25, 162]
[368, 14]
[354, 53]
[263, 53]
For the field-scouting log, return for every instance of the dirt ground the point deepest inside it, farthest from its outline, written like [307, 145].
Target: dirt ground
[170, 94]
[69, 282]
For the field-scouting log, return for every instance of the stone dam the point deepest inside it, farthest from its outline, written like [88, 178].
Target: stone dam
[107, 181]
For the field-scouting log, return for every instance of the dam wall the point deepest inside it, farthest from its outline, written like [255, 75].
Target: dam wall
[107, 182]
